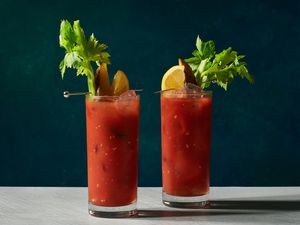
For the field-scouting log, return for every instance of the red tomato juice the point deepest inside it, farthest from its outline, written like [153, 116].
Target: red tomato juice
[112, 150]
[186, 134]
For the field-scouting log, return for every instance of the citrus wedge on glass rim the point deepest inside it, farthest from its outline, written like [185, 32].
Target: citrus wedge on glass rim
[174, 78]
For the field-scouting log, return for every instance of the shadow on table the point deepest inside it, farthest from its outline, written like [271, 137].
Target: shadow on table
[183, 213]
[226, 207]
[256, 205]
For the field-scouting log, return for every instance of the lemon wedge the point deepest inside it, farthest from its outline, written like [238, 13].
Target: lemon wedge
[120, 83]
[174, 78]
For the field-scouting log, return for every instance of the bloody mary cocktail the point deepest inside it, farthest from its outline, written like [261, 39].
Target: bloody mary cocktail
[186, 131]
[186, 120]
[112, 151]
[112, 119]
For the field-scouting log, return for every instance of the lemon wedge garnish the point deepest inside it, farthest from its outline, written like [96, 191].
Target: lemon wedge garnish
[174, 78]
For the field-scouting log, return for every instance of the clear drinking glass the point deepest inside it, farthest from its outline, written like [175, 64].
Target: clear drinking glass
[186, 134]
[112, 151]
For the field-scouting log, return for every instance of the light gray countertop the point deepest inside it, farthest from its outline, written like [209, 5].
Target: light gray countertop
[229, 205]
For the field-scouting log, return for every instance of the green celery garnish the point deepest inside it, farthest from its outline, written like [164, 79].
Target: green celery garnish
[221, 68]
[81, 52]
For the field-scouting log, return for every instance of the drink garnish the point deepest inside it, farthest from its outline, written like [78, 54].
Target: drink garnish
[207, 67]
[174, 78]
[120, 83]
[81, 52]
[220, 68]
[102, 80]
[189, 75]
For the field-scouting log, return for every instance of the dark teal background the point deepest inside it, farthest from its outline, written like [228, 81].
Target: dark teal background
[255, 129]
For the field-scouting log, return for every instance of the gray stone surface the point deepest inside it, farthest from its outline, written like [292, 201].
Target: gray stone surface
[229, 205]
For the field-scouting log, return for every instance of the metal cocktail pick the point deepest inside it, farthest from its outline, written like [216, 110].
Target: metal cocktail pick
[67, 94]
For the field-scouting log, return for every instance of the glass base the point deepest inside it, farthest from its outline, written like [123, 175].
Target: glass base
[113, 211]
[185, 201]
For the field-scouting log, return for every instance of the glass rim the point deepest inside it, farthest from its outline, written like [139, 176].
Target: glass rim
[110, 97]
[202, 93]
